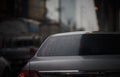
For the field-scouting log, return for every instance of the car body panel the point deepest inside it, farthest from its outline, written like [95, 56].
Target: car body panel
[81, 63]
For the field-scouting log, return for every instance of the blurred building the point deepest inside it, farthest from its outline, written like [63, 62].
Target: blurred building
[53, 10]
[34, 9]
[108, 14]
[75, 14]
[86, 15]
[80, 13]
[37, 9]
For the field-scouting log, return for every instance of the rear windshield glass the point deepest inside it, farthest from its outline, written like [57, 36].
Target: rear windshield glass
[88, 44]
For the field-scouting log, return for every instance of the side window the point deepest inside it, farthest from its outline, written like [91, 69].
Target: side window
[100, 44]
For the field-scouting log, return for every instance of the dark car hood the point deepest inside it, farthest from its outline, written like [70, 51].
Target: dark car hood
[81, 63]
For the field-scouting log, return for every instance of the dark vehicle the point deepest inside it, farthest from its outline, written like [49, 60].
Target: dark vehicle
[76, 54]
[20, 49]
[5, 69]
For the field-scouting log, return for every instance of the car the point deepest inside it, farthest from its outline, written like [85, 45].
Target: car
[76, 54]
[5, 69]
[19, 49]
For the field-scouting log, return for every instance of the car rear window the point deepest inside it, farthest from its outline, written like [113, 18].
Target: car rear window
[57, 46]
[87, 44]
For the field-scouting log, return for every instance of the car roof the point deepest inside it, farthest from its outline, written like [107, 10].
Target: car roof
[70, 33]
[82, 32]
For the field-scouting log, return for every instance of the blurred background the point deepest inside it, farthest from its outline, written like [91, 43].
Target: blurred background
[25, 24]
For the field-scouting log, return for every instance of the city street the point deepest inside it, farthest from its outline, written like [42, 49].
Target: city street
[62, 38]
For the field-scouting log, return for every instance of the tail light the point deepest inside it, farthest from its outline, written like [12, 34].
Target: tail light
[29, 74]
[32, 52]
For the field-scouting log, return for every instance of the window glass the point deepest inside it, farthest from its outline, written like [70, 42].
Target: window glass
[60, 46]
[88, 44]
